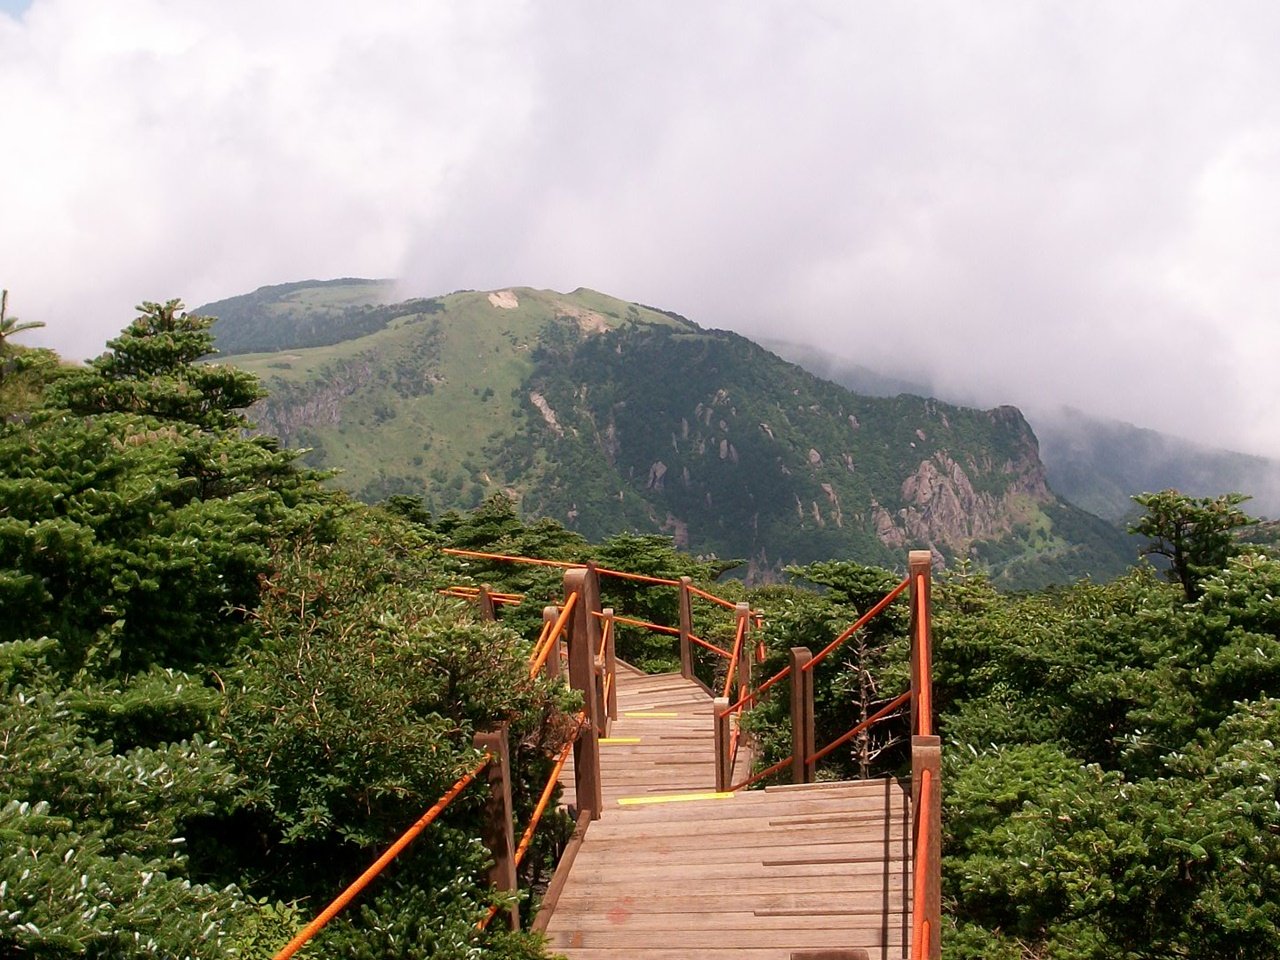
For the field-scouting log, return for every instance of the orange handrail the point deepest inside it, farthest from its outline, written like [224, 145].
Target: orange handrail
[642, 577]
[496, 598]
[643, 623]
[542, 638]
[481, 555]
[862, 621]
[709, 646]
[349, 894]
[846, 737]
[603, 571]
[924, 709]
[921, 933]
[473, 591]
[734, 657]
[554, 635]
[712, 597]
[604, 637]
[754, 694]
[544, 801]
[756, 778]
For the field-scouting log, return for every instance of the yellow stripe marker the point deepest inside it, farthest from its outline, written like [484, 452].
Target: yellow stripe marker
[618, 740]
[675, 798]
[629, 714]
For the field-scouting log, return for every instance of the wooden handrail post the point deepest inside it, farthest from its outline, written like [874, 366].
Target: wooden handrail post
[591, 599]
[926, 754]
[742, 618]
[802, 735]
[919, 568]
[582, 670]
[484, 597]
[551, 667]
[686, 628]
[498, 830]
[723, 737]
[611, 664]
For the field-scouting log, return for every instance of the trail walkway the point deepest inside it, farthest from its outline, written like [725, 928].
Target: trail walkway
[673, 870]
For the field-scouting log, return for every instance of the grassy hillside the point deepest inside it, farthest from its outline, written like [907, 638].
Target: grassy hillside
[608, 415]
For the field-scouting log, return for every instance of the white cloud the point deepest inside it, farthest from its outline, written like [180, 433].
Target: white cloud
[1040, 204]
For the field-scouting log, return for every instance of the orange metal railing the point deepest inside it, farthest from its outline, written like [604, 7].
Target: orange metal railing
[548, 643]
[735, 656]
[349, 894]
[922, 934]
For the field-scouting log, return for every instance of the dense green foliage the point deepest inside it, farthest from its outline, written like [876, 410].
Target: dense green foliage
[225, 688]
[1110, 771]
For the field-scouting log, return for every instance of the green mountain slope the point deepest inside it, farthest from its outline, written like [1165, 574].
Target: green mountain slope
[608, 415]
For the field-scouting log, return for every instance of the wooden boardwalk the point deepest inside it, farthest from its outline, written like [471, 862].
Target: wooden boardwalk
[672, 870]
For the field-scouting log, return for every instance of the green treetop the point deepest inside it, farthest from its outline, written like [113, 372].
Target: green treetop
[1196, 534]
[151, 369]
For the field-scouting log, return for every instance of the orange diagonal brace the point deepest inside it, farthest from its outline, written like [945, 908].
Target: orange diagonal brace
[553, 636]
[349, 894]
[862, 621]
[712, 597]
[874, 718]
[733, 657]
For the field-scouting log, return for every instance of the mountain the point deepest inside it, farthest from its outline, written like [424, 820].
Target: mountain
[1098, 464]
[1094, 462]
[608, 415]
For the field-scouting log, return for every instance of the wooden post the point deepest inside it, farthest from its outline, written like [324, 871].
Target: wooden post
[582, 657]
[591, 594]
[919, 567]
[611, 664]
[498, 831]
[802, 735]
[485, 599]
[686, 628]
[723, 737]
[926, 754]
[551, 666]
[743, 622]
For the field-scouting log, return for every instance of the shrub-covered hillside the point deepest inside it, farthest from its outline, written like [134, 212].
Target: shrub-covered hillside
[223, 687]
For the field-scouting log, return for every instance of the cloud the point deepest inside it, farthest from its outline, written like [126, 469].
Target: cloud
[1038, 204]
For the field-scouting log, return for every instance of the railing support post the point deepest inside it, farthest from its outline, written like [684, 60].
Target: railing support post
[926, 755]
[721, 718]
[802, 735]
[498, 831]
[686, 628]
[611, 664]
[919, 567]
[582, 670]
[484, 597]
[742, 616]
[551, 667]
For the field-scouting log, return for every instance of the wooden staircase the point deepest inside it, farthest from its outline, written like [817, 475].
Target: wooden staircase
[674, 870]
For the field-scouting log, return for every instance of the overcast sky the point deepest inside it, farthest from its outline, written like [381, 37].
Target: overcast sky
[1035, 203]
